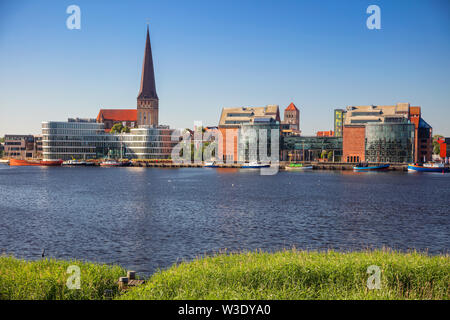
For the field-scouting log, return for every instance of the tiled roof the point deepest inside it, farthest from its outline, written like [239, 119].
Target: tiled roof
[117, 114]
[292, 107]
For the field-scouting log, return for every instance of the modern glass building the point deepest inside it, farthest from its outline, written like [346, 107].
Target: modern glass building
[389, 142]
[249, 138]
[88, 140]
[309, 148]
[148, 142]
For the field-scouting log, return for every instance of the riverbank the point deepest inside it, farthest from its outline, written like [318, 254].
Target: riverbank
[289, 274]
[316, 165]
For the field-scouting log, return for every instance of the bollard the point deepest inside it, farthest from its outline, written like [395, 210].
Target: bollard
[123, 281]
[131, 275]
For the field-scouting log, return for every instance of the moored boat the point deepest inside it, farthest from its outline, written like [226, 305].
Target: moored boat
[254, 165]
[23, 162]
[361, 167]
[427, 167]
[74, 162]
[297, 167]
[110, 163]
[51, 162]
[114, 163]
[5, 161]
[210, 164]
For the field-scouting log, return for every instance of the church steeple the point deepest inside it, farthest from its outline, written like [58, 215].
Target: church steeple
[148, 87]
[147, 100]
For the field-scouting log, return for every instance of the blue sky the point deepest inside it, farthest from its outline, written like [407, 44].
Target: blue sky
[214, 54]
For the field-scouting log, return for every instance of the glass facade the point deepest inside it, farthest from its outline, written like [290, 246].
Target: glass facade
[248, 139]
[389, 142]
[304, 148]
[86, 140]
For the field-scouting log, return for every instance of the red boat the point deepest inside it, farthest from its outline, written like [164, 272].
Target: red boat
[20, 162]
[52, 163]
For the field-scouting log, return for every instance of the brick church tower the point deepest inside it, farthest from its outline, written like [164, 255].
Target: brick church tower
[292, 117]
[147, 100]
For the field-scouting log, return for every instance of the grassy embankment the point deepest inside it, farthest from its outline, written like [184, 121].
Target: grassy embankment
[46, 280]
[289, 274]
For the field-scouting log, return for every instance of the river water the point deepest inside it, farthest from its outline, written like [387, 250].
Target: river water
[150, 218]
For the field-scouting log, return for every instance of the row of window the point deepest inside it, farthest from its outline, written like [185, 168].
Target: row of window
[352, 158]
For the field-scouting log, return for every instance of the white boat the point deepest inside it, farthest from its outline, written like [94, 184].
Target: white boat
[74, 163]
[427, 167]
[210, 164]
[298, 167]
[5, 161]
[254, 165]
[111, 163]
[115, 163]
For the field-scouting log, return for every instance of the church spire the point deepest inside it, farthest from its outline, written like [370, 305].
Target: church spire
[147, 100]
[148, 87]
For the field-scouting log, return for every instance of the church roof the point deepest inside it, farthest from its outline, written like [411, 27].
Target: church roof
[291, 107]
[148, 87]
[117, 115]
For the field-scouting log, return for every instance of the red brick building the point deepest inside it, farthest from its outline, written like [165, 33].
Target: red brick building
[353, 144]
[423, 137]
[357, 117]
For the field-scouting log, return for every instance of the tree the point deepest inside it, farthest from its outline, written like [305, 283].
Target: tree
[330, 155]
[117, 128]
[436, 145]
[323, 154]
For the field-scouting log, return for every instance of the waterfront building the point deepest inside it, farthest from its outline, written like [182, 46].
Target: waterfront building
[339, 115]
[148, 142]
[147, 100]
[109, 117]
[310, 148]
[38, 146]
[22, 146]
[88, 140]
[358, 117]
[423, 140]
[291, 122]
[389, 142]
[231, 120]
[444, 148]
[249, 143]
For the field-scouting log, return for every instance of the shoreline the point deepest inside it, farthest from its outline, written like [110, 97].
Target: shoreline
[316, 165]
[287, 274]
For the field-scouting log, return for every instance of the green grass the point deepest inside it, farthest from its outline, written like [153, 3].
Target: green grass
[296, 274]
[46, 280]
[289, 274]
